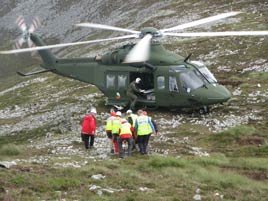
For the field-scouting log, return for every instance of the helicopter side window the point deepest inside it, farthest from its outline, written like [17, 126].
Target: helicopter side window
[161, 82]
[173, 85]
[110, 81]
[122, 81]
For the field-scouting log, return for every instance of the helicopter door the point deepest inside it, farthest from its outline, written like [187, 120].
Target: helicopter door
[161, 90]
[169, 92]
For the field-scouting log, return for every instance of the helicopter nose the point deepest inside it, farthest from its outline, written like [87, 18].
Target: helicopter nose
[212, 94]
[220, 94]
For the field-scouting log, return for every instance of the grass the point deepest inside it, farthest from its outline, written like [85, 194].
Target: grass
[9, 150]
[165, 178]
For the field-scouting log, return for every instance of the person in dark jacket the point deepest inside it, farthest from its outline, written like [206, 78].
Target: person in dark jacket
[132, 92]
[89, 128]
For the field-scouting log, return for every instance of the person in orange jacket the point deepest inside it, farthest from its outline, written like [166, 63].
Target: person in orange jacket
[125, 134]
[88, 130]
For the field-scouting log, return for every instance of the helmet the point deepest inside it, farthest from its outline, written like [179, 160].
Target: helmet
[140, 112]
[129, 111]
[123, 121]
[118, 113]
[138, 80]
[93, 110]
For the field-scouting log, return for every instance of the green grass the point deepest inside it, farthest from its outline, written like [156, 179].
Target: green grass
[166, 178]
[9, 150]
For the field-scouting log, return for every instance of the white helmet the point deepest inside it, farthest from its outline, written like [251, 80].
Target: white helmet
[138, 80]
[129, 111]
[124, 121]
[118, 113]
[93, 110]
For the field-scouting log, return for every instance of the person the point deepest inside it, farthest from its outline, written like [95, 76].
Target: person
[132, 92]
[108, 129]
[132, 119]
[144, 128]
[116, 124]
[154, 123]
[89, 127]
[125, 134]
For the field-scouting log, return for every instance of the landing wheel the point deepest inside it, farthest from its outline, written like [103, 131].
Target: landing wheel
[204, 110]
[152, 108]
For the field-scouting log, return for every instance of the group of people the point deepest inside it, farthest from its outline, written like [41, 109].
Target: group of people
[134, 129]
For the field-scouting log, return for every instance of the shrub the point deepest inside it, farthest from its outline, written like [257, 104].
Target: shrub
[9, 150]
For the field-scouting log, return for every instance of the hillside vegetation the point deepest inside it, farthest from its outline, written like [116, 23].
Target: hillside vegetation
[218, 156]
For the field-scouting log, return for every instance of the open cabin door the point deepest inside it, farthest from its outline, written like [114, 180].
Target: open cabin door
[147, 84]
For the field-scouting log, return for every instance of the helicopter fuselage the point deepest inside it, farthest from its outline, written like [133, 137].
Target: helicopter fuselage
[168, 79]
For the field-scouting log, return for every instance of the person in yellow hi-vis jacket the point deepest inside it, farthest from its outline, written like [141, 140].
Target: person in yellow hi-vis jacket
[125, 135]
[109, 127]
[144, 128]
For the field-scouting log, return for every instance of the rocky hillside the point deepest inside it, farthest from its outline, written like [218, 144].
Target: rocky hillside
[222, 155]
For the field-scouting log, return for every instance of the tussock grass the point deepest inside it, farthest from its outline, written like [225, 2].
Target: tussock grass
[231, 135]
[9, 150]
[215, 160]
[163, 162]
[63, 184]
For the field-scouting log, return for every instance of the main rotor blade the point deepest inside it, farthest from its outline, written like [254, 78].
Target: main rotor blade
[140, 52]
[35, 24]
[65, 45]
[21, 23]
[107, 27]
[201, 21]
[225, 33]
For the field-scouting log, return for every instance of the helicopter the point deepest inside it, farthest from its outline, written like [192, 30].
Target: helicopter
[169, 80]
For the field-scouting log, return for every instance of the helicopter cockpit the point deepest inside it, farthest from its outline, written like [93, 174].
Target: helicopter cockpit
[191, 80]
[197, 78]
[205, 72]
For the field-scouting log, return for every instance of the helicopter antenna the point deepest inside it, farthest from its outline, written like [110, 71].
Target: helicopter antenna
[187, 58]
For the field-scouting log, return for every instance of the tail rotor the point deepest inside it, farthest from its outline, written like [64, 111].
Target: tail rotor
[26, 32]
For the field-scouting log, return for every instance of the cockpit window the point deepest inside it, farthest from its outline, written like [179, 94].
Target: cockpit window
[173, 86]
[205, 72]
[176, 69]
[191, 80]
[210, 77]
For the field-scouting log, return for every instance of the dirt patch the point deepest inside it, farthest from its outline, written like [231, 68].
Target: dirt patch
[259, 175]
[256, 175]
[253, 140]
[231, 83]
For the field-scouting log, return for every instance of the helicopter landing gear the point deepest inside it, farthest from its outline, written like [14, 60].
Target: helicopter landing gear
[151, 108]
[204, 110]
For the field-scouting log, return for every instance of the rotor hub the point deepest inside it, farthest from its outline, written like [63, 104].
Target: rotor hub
[150, 30]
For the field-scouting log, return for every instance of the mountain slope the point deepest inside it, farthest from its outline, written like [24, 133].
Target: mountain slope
[222, 155]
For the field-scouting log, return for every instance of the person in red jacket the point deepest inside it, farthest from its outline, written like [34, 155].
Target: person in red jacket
[89, 127]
